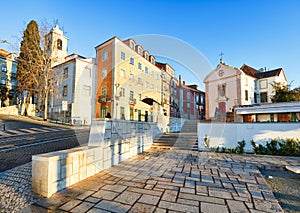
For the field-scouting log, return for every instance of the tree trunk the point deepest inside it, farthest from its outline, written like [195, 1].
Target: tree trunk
[46, 106]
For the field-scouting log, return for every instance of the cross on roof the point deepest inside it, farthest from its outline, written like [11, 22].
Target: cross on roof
[221, 57]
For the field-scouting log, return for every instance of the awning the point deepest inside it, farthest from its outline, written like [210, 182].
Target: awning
[149, 101]
[269, 108]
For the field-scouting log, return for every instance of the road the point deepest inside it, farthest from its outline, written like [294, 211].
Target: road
[24, 137]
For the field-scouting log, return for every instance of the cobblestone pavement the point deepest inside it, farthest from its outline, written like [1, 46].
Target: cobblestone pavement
[15, 189]
[166, 181]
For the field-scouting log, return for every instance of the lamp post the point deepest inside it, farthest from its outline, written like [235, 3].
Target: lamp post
[4, 41]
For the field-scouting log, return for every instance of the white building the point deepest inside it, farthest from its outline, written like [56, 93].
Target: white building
[228, 87]
[274, 112]
[71, 100]
[76, 83]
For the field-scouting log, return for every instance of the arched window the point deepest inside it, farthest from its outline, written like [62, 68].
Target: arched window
[59, 44]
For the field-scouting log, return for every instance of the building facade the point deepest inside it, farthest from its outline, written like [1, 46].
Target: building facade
[168, 89]
[72, 99]
[228, 87]
[74, 88]
[129, 83]
[8, 78]
[191, 101]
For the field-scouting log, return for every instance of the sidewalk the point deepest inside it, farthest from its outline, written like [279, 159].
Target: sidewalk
[173, 181]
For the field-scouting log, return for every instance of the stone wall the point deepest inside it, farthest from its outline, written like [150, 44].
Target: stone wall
[176, 124]
[228, 134]
[10, 110]
[110, 143]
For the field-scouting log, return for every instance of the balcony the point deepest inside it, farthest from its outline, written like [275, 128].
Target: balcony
[132, 101]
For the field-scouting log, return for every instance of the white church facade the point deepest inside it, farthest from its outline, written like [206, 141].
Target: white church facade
[228, 87]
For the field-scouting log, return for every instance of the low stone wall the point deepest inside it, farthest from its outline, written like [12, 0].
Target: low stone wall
[110, 143]
[176, 124]
[18, 110]
[228, 134]
[10, 110]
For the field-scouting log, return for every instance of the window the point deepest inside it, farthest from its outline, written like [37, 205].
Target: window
[65, 72]
[65, 91]
[263, 84]
[104, 55]
[140, 51]
[140, 96]
[131, 78]
[157, 76]
[131, 114]
[104, 73]
[131, 45]
[139, 66]
[122, 55]
[59, 44]
[87, 72]
[146, 70]
[139, 115]
[122, 93]
[202, 99]
[131, 97]
[4, 69]
[132, 61]
[86, 90]
[122, 73]
[255, 97]
[188, 105]
[152, 87]
[146, 84]
[103, 112]
[103, 94]
[139, 80]
[188, 96]
[146, 55]
[263, 97]
[122, 112]
[222, 90]
[152, 73]
[246, 95]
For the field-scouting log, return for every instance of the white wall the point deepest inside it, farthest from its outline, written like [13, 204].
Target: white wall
[228, 134]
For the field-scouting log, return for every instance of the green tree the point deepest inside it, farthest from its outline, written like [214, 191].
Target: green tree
[34, 68]
[29, 61]
[284, 94]
[3, 95]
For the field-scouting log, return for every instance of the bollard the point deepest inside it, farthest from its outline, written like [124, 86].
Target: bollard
[3, 127]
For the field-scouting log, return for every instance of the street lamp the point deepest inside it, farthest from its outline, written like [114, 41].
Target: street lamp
[4, 41]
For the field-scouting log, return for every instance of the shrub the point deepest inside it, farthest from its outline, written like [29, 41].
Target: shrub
[240, 147]
[288, 147]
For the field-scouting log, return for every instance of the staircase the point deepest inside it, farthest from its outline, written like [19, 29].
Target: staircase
[186, 139]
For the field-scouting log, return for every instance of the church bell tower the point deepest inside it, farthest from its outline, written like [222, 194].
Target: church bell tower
[57, 45]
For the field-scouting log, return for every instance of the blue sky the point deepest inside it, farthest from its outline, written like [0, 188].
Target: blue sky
[262, 33]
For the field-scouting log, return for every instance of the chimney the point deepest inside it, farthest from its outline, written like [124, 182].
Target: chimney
[180, 80]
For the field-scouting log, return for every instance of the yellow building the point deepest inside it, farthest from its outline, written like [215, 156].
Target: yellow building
[129, 83]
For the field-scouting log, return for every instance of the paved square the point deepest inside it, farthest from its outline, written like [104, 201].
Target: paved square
[161, 180]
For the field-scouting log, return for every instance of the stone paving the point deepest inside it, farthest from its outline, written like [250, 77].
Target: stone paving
[173, 181]
[15, 189]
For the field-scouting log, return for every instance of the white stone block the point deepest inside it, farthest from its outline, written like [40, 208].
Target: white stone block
[75, 164]
[90, 169]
